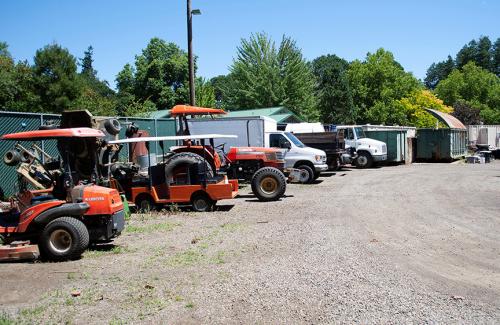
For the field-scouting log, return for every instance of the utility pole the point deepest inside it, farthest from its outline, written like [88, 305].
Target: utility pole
[192, 97]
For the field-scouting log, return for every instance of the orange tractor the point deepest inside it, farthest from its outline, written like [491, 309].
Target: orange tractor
[54, 208]
[262, 167]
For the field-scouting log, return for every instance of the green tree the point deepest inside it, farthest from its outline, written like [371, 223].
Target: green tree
[466, 54]
[56, 78]
[265, 76]
[438, 71]
[333, 91]
[17, 84]
[161, 74]
[475, 87]
[496, 57]
[376, 84]
[484, 53]
[205, 94]
[87, 63]
[221, 85]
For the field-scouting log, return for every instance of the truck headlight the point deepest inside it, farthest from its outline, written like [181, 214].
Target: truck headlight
[318, 158]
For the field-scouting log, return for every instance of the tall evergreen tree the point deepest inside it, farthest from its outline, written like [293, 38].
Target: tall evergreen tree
[264, 76]
[484, 52]
[438, 71]
[86, 63]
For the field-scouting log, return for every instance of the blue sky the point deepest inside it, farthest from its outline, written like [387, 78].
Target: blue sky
[417, 32]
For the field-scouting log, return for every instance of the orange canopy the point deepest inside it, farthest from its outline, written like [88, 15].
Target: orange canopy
[54, 134]
[194, 110]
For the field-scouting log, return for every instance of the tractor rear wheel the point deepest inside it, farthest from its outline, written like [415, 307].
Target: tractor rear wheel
[268, 184]
[184, 159]
[64, 239]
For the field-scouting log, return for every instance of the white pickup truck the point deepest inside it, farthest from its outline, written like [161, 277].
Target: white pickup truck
[368, 150]
[260, 131]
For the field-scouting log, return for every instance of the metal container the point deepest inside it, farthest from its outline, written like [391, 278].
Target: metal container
[441, 144]
[484, 134]
[397, 145]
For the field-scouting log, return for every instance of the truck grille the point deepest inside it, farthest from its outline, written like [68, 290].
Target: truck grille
[384, 148]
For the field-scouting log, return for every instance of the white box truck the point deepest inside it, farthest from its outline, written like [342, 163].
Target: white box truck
[261, 131]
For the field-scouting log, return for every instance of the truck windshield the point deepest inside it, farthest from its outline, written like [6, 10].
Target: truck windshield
[360, 134]
[294, 139]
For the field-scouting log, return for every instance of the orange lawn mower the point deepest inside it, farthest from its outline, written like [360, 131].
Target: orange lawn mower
[53, 210]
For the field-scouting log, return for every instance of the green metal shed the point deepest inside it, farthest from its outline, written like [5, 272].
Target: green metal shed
[397, 147]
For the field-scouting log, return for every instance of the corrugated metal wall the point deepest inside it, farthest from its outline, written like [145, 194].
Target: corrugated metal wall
[484, 134]
[11, 122]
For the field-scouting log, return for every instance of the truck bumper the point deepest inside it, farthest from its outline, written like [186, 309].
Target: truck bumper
[321, 168]
[380, 158]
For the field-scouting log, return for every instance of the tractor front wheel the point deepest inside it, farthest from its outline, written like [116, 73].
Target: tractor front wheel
[64, 239]
[268, 184]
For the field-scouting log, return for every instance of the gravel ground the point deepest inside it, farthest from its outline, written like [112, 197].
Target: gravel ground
[403, 244]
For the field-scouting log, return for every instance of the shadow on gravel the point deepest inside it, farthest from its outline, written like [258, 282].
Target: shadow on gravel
[251, 196]
[318, 181]
[223, 207]
[104, 247]
[328, 174]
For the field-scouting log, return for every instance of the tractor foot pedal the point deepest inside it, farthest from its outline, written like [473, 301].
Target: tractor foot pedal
[19, 250]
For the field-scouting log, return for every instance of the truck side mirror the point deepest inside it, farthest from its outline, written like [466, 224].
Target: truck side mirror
[287, 145]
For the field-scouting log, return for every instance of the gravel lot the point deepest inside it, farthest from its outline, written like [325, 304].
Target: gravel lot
[402, 244]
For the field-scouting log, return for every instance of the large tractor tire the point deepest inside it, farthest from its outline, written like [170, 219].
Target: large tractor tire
[306, 175]
[268, 184]
[364, 160]
[183, 159]
[64, 239]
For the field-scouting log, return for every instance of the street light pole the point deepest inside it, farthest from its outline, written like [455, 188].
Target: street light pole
[192, 98]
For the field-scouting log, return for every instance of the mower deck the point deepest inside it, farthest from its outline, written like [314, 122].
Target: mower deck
[19, 250]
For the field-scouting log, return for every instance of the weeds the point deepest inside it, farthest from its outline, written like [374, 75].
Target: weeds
[160, 227]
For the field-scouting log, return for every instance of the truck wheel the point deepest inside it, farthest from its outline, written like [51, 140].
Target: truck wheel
[201, 202]
[268, 184]
[364, 160]
[64, 239]
[307, 174]
[144, 203]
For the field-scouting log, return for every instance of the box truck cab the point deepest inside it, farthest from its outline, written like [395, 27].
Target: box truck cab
[368, 150]
[298, 155]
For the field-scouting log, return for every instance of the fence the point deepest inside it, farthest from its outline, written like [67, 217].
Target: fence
[11, 122]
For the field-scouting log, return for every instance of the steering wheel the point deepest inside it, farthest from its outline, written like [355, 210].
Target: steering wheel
[221, 147]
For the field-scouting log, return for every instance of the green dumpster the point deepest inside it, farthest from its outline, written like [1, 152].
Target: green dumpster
[441, 144]
[396, 143]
